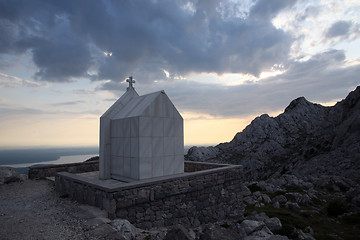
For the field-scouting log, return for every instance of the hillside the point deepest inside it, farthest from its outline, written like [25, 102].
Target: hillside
[308, 139]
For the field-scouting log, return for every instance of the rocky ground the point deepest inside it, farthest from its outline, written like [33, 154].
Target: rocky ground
[289, 207]
[283, 208]
[327, 207]
[31, 209]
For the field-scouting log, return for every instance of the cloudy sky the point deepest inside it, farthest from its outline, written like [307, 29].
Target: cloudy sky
[222, 63]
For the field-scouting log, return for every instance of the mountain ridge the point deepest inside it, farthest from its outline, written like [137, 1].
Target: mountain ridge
[306, 139]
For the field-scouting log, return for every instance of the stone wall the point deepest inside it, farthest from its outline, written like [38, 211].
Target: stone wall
[190, 199]
[192, 166]
[50, 170]
[40, 172]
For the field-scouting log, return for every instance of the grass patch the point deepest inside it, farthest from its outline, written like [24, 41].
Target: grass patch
[277, 193]
[324, 227]
[351, 220]
[289, 219]
[225, 225]
[337, 207]
[294, 189]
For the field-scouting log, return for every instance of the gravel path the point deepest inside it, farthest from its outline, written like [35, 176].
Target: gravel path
[33, 210]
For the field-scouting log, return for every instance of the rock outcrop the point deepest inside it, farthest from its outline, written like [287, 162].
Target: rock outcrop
[307, 139]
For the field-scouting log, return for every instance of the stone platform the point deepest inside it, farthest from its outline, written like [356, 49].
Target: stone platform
[205, 192]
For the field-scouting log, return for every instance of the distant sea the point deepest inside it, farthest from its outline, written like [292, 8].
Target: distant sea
[22, 159]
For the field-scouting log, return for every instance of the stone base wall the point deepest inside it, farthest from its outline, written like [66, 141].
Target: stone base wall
[189, 199]
[41, 172]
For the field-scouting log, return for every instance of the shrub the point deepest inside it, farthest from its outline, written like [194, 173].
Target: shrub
[254, 188]
[225, 225]
[336, 207]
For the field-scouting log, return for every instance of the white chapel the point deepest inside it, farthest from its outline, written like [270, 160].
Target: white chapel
[141, 137]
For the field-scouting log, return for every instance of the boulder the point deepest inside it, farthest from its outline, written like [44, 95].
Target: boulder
[278, 237]
[280, 199]
[261, 217]
[334, 183]
[267, 187]
[276, 205]
[249, 200]
[298, 197]
[251, 226]
[215, 232]
[293, 182]
[8, 175]
[178, 232]
[304, 236]
[353, 193]
[309, 230]
[125, 228]
[292, 206]
[200, 153]
[266, 199]
[274, 224]
[257, 194]
[263, 233]
[245, 190]
[356, 201]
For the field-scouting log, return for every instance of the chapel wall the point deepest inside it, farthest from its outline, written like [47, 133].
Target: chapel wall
[146, 140]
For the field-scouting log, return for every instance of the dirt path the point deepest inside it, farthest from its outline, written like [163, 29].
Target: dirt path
[33, 210]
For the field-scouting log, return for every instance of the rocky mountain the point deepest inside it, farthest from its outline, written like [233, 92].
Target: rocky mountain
[306, 140]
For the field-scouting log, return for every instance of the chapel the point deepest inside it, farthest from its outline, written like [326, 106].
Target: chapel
[141, 137]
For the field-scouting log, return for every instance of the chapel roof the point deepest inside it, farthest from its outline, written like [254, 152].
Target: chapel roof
[120, 103]
[155, 104]
[130, 104]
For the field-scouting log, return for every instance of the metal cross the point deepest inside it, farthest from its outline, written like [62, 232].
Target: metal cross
[130, 80]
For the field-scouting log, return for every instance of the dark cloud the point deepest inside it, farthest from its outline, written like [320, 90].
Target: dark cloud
[7, 36]
[112, 86]
[7, 81]
[144, 37]
[111, 99]
[66, 103]
[266, 10]
[10, 111]
[340, 28]
[6, 111]
[83, 92]
[310, 11]
[321, 78]
[316, 65]
[61, 59]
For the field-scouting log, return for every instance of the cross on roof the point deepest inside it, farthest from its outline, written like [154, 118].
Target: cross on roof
[130, 80]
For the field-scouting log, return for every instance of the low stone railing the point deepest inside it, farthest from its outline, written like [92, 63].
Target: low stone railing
[191, 166]
[41, 172]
